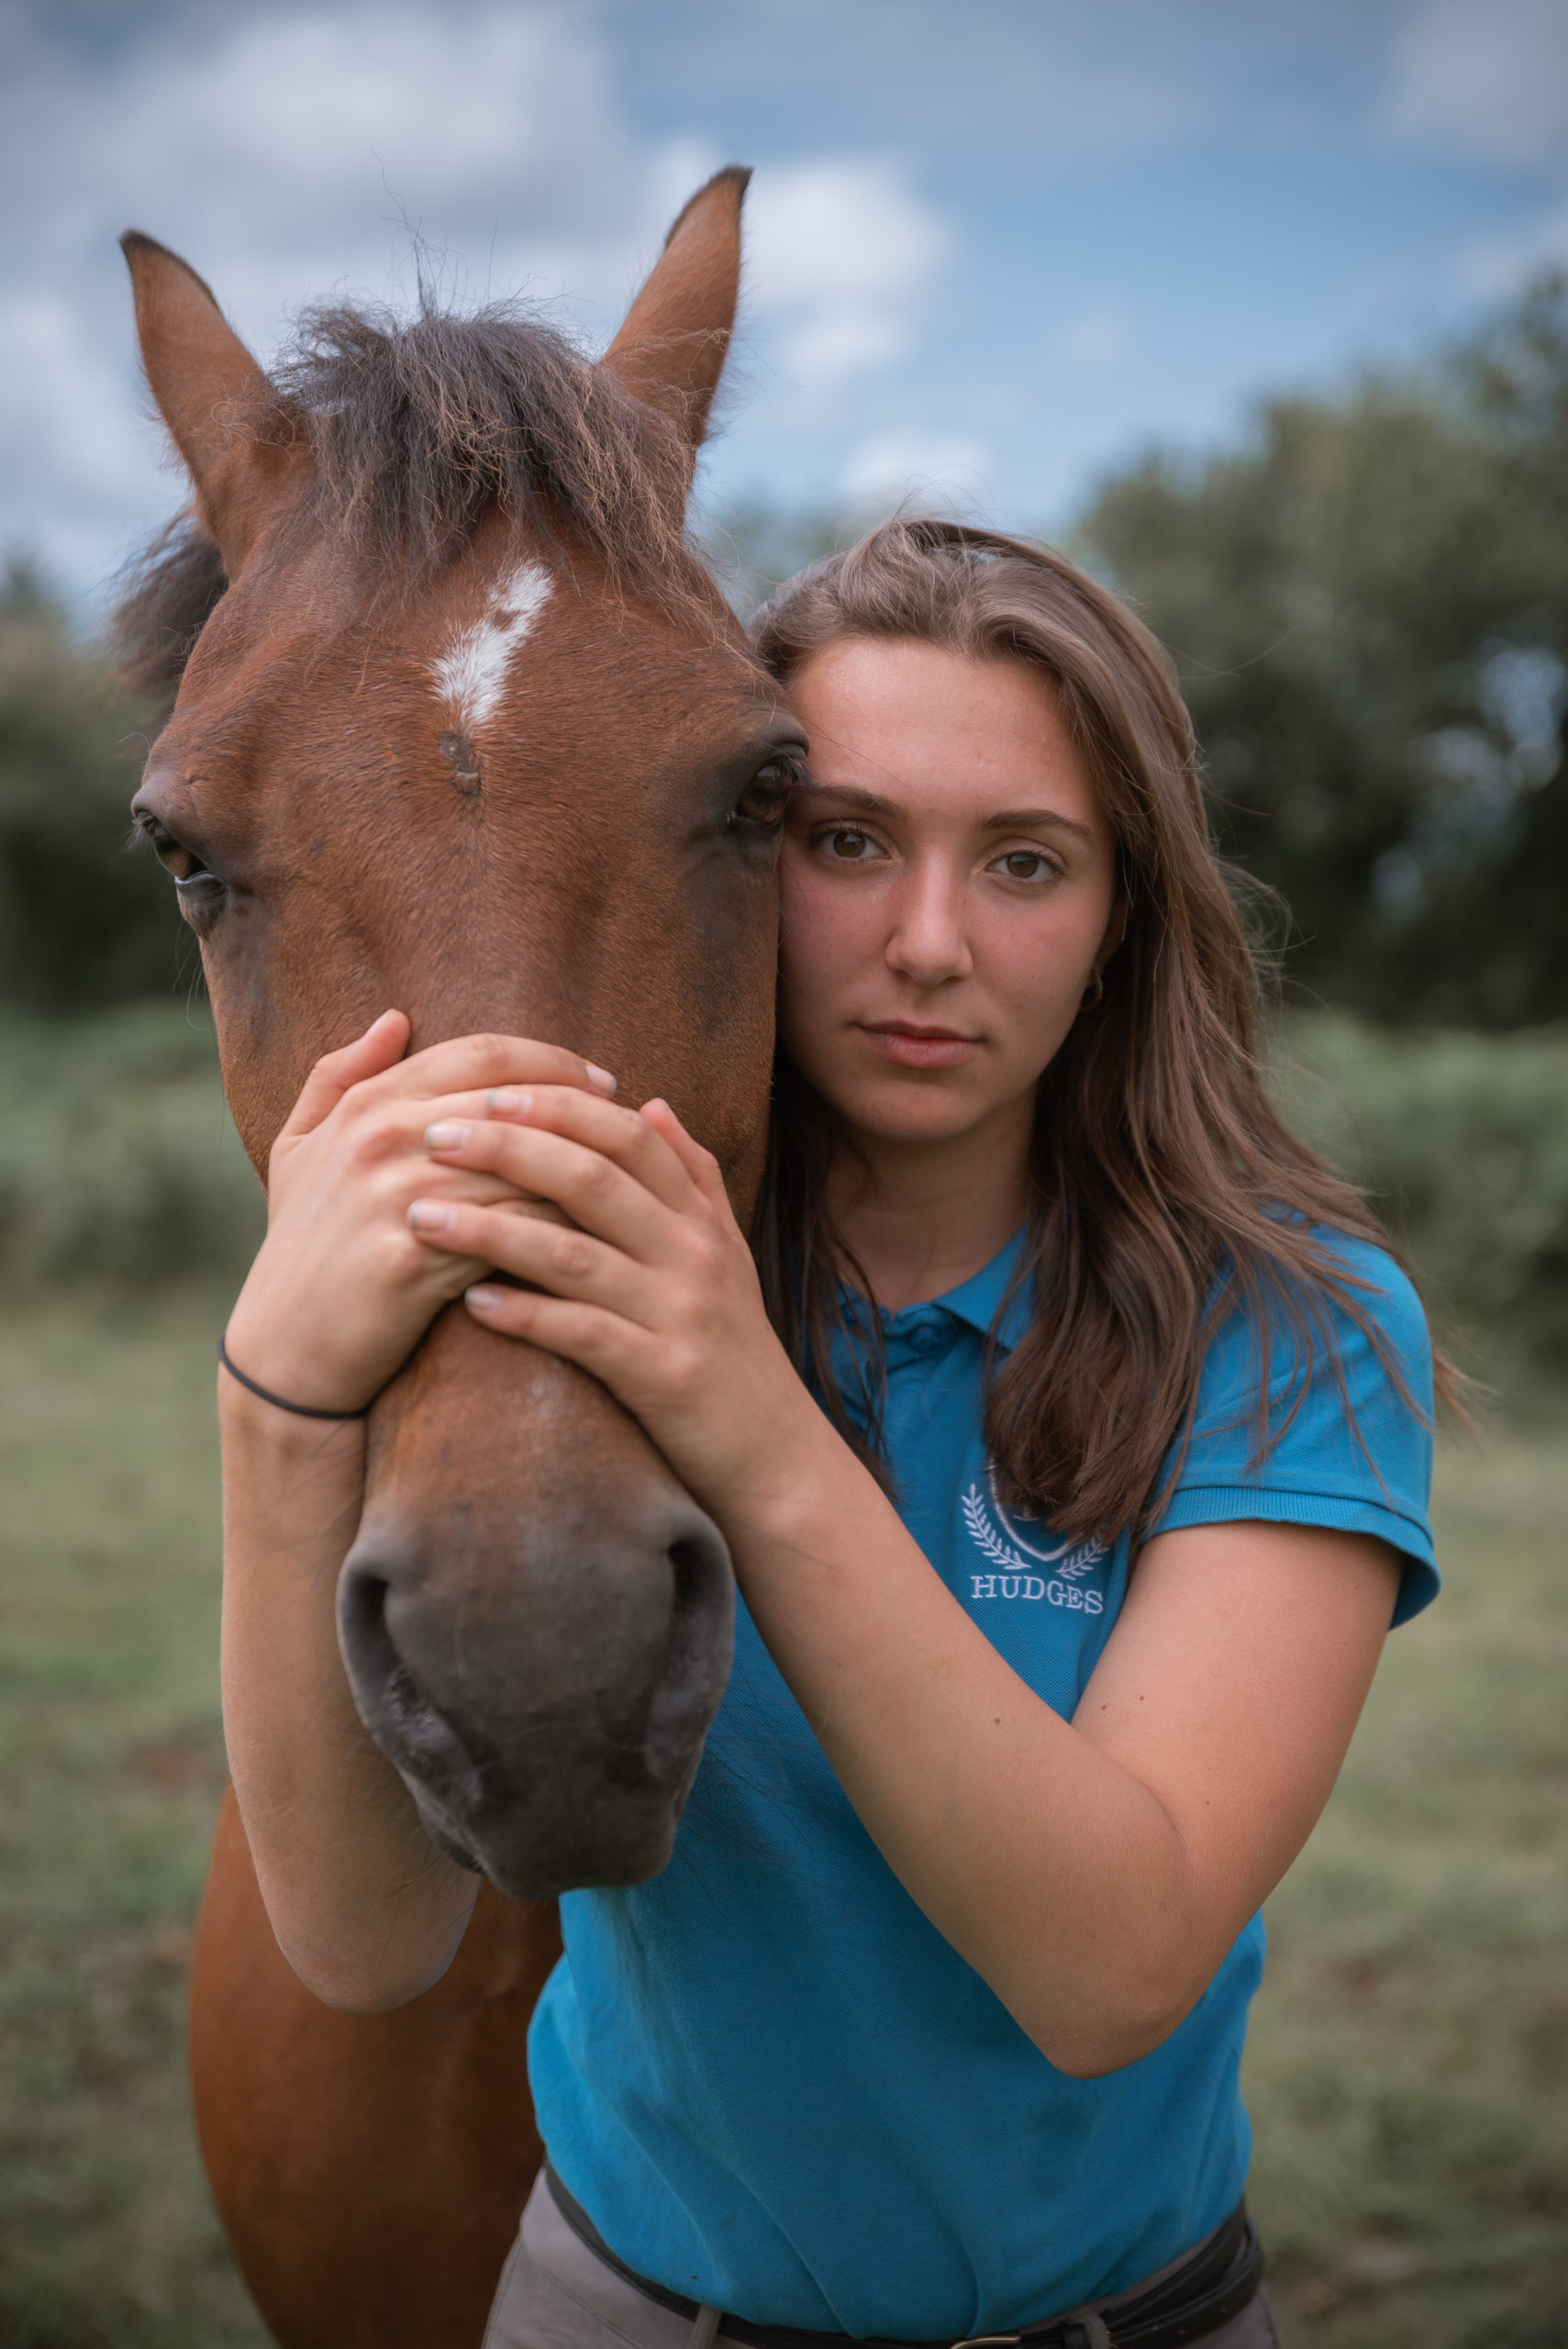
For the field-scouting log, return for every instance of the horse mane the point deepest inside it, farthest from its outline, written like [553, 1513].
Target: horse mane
[419, 428]
[166, 596]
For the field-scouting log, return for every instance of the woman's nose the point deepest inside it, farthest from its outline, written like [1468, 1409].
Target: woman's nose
[930, 940]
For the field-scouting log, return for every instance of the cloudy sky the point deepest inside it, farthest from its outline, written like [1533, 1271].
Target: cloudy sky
[996, 246]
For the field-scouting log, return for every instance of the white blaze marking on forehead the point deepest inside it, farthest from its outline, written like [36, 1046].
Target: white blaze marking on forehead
[471, 676]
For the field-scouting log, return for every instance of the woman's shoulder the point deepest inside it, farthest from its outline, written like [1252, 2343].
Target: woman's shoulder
[1313, 1407]
[1380, 1283]
[1352, 1320]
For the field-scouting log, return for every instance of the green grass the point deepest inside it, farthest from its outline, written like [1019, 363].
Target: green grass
[110, 1766]
[1409, 2071]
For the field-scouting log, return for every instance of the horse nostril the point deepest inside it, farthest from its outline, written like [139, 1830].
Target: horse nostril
[696, 1665]
[399, 1714]
[371, 1653]
[361, 1620]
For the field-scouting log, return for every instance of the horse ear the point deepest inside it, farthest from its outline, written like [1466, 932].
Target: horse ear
[221, 409]
[675, 339]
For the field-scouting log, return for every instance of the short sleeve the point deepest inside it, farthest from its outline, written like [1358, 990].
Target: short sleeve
[1351, 1451]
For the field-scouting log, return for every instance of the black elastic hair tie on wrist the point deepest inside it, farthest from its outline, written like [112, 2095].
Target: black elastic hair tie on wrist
[300, 1410]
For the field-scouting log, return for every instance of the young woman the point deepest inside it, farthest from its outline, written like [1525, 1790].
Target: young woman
[1069, 1428]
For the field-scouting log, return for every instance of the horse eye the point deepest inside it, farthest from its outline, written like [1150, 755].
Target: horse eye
[200, 891]
[763, 800]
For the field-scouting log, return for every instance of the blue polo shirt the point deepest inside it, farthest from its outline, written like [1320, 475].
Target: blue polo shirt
[764, 2075]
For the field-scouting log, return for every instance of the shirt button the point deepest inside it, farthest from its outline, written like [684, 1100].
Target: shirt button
[926, 1338]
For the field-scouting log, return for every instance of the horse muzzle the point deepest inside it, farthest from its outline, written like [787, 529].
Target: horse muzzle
[547, 1757]
[538, 1642]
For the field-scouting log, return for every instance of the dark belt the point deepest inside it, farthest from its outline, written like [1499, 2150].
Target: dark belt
[1190, 2301]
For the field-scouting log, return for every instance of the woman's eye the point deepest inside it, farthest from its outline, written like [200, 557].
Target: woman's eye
[847, 845]
[765, 796]
[1025, 864]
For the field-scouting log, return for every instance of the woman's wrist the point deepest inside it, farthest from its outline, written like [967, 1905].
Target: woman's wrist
[282, 1402]
[278, 1340]
[248, 1423]
[812, 1479]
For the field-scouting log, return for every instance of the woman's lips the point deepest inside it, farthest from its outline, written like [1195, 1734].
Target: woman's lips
[913, 1047]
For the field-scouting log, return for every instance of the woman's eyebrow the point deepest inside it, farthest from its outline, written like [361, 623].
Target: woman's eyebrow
[1035, 820]
[869, 802]
[1009, 820]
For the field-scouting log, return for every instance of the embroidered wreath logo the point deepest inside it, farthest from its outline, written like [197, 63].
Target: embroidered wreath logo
[1068, 1560]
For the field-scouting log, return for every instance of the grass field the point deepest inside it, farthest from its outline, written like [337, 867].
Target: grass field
[1409, 2072]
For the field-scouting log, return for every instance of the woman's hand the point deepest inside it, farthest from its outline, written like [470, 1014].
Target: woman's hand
[341, 1291]
[654, 1290]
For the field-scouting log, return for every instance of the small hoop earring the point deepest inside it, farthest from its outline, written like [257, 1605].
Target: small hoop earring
[1094, 992]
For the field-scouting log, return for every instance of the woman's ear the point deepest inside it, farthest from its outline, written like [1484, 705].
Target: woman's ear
[1115, 931]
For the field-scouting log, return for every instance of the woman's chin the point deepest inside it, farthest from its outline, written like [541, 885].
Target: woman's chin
[922, 1113]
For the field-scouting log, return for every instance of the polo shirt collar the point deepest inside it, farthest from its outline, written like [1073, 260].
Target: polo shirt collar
[978, 1300]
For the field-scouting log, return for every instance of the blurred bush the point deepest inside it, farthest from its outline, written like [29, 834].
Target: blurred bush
[1462, 1140]
[118, 1156]
[752, 548]
[81, 922]
[1368, 603]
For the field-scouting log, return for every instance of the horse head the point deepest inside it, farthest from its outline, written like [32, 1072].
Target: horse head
[467, 729]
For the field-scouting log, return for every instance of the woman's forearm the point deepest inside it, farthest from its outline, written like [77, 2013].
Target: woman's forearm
[1052, 1869]
[365, 1908]
[1093, 1872]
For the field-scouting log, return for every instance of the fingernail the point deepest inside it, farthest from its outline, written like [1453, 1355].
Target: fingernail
[507, 1101]
[430, 1215]
[600, 1079]
[447, 1133]
[482, 1300]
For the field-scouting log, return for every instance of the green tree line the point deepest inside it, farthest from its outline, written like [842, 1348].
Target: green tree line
[1367, 600]
[82, 921]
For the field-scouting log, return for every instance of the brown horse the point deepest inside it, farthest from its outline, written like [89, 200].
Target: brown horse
[462, 726]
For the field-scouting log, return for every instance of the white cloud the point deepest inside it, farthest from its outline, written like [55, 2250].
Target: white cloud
[841, 255]
[1485, 78]
[280, 153]
[285, 151]
[288, 153]
[1488, 79]
[843, 229]
[932, 471]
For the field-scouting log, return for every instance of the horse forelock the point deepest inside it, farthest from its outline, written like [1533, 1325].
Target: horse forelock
[418, 432]
[420, 428]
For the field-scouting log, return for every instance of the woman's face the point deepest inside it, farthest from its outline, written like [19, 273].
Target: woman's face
[948, 888]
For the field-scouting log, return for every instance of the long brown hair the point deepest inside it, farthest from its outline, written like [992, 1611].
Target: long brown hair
[1167, 1190]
